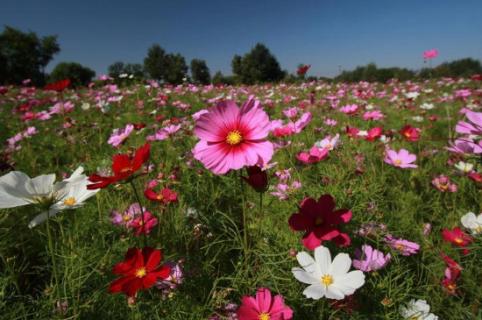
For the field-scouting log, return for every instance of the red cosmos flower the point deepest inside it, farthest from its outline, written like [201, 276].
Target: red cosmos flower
[352, 132]
[457, 237]
[139, 125]
[164, 196]
[143, 226]
[451, 275]
[58, 86]
[374, 133]
[476, 77]
[257, 178]
[123, 167]
[140, 270]
[303, 69]
[410, 133]
[475, 176]
[319, 220]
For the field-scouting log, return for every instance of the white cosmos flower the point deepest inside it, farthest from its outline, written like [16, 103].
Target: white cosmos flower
[427, 106]
[328, 143]
[17, 189]
[417, 310]
[326, 278]
[465, 167]
[472, 222]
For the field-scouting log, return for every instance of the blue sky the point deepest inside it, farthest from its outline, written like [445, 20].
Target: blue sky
[324, 33]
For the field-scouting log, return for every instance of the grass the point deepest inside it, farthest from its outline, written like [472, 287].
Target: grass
[205, 228]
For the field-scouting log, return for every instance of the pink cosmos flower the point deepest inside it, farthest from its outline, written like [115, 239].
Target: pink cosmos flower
[373, 115]
[328, 142]
[290, 113]
[232, 138]
[442, 183]
[430, 54]
[369, 259]
[405, 247]
[465, 145]
[283, 190]
[330, 122]
[264, 307]
[401, 159]
[313, 156]
[474, 126]
[118, 136]
[302, 122]
[349, 109]
[143, 226]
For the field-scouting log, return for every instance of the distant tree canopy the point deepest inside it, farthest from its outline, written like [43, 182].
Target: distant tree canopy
[219, 78]
[168, 67]
[370, 72]
[119, 67]
[200, 71]
[257, 66]
[77, 73]
[25, 55]
[457, 68]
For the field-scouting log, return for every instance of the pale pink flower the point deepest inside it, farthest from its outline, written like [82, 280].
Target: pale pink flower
[401, 159]
[118, 136]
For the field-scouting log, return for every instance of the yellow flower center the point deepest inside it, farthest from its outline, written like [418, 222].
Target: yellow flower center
[70, 201]
[159, 196]
[478, 229]
[458, 240]
[141, 272]
[327, 280]
[397, 162]
[234, 137]
[399, 246]
[264, 316]
[126, 218]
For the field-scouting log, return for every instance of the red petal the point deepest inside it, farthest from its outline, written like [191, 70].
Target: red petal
[141, 156]
[299, 222]
[120, 162]
[152, 257]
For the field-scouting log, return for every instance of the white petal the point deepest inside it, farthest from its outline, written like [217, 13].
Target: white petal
[340, 265]
[303, 276]
[323, 259]
[12, 190]
[306, 261]
[40, 218]
[41, 185]
[333, 292]
[350, 282]
[469, 220]
[315, 291]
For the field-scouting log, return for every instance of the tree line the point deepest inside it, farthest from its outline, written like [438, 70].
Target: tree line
[24, 55]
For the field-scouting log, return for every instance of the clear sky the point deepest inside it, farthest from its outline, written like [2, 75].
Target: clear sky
[324, 33]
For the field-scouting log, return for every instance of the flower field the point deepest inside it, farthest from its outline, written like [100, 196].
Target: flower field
[315, 200]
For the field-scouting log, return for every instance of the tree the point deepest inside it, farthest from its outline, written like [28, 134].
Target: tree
[176, 68]
[200, 71]
[258, 65]
[78, 74]
[25, 55]
[119, 67]
[155, 64]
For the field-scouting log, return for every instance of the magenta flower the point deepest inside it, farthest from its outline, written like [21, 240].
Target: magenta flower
[430, 54]
[405, 247]
[442, 183]
[118, 136]
[313, 156]
[369, 259]
[232, 138]
[264, 307]
[349, 109]
[400, 159]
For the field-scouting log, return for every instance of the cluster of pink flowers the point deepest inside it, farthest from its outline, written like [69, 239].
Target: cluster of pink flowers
[132, 219]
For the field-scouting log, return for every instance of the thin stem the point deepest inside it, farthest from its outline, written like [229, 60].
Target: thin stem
[245, 224]
[51, 251]
[142, 213]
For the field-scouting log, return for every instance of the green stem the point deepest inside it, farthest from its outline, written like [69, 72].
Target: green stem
[51, 252]
[244, 218]
[142, 213]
